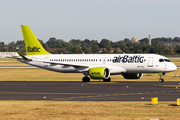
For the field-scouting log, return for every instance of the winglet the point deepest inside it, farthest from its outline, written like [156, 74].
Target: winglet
[33, 46]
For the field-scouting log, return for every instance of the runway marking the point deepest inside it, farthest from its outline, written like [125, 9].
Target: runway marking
[99, 95]
[123, 94]
[107, 95]
[170, 91]
[81, 96]
[90, 96]
[10, 92]
[94, 94]
[101, 82]
[72, 97]
[163, 91]
[171, 86]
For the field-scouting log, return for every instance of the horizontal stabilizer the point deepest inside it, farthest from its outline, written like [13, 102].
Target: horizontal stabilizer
[24, 57]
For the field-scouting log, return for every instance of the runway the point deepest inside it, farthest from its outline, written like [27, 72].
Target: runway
[29, 67]
[92, 91]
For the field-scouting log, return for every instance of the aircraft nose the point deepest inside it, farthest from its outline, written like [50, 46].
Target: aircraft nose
[173, 67]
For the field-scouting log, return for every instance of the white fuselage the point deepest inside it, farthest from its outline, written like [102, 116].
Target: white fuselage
[116, 63]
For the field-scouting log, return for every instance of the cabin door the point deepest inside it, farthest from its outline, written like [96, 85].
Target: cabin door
[150, 62]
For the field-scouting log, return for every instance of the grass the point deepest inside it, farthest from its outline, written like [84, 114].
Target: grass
[176, 61]
[37, 74]
[86, 110]
[11, 62]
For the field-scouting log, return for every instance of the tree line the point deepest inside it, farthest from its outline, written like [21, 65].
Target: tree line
[74, 46]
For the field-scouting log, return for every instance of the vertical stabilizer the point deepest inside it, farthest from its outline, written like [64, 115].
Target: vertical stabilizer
[33, 46]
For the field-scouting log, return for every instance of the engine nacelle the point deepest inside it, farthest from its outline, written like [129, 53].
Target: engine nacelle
[132, 75]
[99, 73]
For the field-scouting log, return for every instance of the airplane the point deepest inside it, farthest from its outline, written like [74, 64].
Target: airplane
[94, 66]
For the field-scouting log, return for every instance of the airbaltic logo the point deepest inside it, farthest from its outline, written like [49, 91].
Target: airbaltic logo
[33, 49]
[128, 59]
[96, 73]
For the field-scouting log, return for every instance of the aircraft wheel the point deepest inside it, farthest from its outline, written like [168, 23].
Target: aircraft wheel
[107, 80]
[86, 79]
[161, 80]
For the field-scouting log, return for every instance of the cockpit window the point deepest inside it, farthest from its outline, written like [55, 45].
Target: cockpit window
[161, 60]
[167, 60]
[164, 60]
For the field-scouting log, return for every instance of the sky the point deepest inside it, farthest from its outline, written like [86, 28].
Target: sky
[89, 19]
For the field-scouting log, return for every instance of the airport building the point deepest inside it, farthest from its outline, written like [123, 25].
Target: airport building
[8, 54]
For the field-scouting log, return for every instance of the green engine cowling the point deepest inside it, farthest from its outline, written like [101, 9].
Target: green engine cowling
[99, 73]
[132, 75]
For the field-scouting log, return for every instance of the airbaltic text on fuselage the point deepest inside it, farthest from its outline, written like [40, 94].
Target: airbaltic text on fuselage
[33, 49]
[129, 59]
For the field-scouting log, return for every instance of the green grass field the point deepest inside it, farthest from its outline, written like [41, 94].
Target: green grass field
[86, 110]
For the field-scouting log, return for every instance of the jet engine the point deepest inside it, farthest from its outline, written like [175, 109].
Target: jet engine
[132, 75]
[99, 73]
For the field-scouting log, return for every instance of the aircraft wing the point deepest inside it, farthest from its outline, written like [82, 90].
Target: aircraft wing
[65, 64]
[112, 68]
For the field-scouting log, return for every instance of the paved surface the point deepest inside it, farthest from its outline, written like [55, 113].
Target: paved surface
[30, 67]
[92, 91]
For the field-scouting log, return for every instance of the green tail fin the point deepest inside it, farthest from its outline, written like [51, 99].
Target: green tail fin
[33, 46]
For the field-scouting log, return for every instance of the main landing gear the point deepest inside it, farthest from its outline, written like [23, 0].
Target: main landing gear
[87, 79]
[161, 78]
[107, 80]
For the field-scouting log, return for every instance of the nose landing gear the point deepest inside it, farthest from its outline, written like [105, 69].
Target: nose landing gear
[161, 77]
